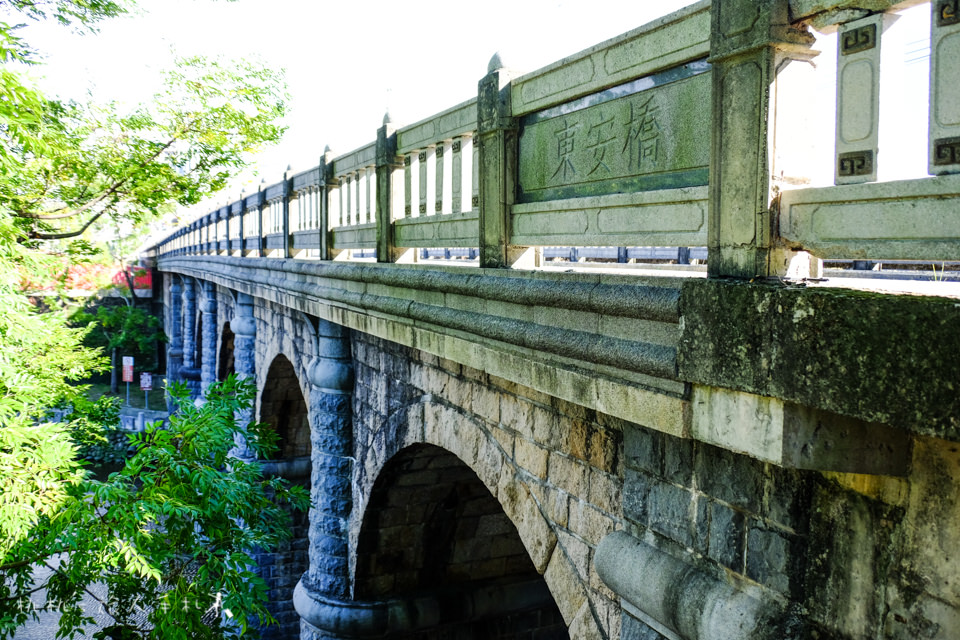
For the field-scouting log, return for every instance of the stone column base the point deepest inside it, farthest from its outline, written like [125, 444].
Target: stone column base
[324, 618]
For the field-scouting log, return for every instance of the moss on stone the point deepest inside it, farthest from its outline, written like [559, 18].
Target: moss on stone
[884, 358]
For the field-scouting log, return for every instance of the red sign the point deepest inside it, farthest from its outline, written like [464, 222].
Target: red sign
[128, 368]
[146, 381]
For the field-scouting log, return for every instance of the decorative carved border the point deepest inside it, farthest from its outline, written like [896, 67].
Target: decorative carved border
[856, 40]
[946, 151]
[855, 163]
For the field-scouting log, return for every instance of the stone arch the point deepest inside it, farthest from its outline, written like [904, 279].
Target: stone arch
[432, 528]
[283, 407]
[563, 561]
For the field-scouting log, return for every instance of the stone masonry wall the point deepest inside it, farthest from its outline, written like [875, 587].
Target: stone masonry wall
[856, 556]
[852, 556]
[554, 468]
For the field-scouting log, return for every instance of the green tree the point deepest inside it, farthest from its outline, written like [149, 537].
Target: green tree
[67, 169]
[122, 329]
[170, 534]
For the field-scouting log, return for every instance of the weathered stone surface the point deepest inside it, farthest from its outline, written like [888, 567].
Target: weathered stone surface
[854, 353]
[863, 556]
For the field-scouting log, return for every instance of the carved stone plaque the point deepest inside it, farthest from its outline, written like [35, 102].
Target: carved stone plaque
[652, 133]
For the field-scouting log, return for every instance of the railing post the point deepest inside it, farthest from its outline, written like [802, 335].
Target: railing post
[326, 182]
[285, 213]
[750, 41]
[389, 169]
[261, 233]
[226, 226]
[497, 137]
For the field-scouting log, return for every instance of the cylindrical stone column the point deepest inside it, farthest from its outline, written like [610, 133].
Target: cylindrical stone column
[189, 371]
[175, 352]
[331, 432]
[208, 344]
[244, 327]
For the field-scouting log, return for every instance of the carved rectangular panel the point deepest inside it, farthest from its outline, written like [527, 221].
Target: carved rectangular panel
[408, 184]
[944, 155]
[653, 133]
[858, 99]
[444, 178]
[372, 194]
[456, 176]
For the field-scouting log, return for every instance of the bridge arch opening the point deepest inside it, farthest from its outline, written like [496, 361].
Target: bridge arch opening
[432, 529]
[283, 408]
[225, 363]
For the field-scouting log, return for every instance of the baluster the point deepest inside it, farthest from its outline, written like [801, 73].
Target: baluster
[474, 173]
[424, 182]
[408, 186]
[348, 203]
[858, 99]
[432, 195]
[444, 177]
[371, 194]
[944, 155]
[456, 175]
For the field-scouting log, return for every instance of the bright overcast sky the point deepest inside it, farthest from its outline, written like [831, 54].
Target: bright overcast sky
[345, 63]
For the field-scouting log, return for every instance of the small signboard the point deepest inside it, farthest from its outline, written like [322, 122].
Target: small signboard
[128, 368]
[146, 381]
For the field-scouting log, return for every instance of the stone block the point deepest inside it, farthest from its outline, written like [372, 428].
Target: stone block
[669, 512]
[516, 414]
[636, 492]
[605, 448]
[545, 428]
[585, 624]
[531, 457]
[643, 449]
[633, 629]
[590, 523]
[535, 532]
[575, 439]
[727, 531]
[848, 565]
[606, 492]
[486, 404]
[569, 474]
[789, 494]
[568, 591]
[735, 479]
[577, 551]
[678, 460]
[771, 560]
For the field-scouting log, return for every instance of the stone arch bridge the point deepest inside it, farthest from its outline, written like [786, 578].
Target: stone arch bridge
[518, 450]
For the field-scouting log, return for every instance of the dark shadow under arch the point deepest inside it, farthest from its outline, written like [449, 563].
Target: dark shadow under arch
[432, 527]
[282, 406]
[225, 365]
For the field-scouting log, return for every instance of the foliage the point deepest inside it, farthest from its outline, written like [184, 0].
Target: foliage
[40, 356]
[68, 169]
[95, 428]
[133, 331]
[170, 533]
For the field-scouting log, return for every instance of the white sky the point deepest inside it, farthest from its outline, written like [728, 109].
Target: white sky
[345, 63]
